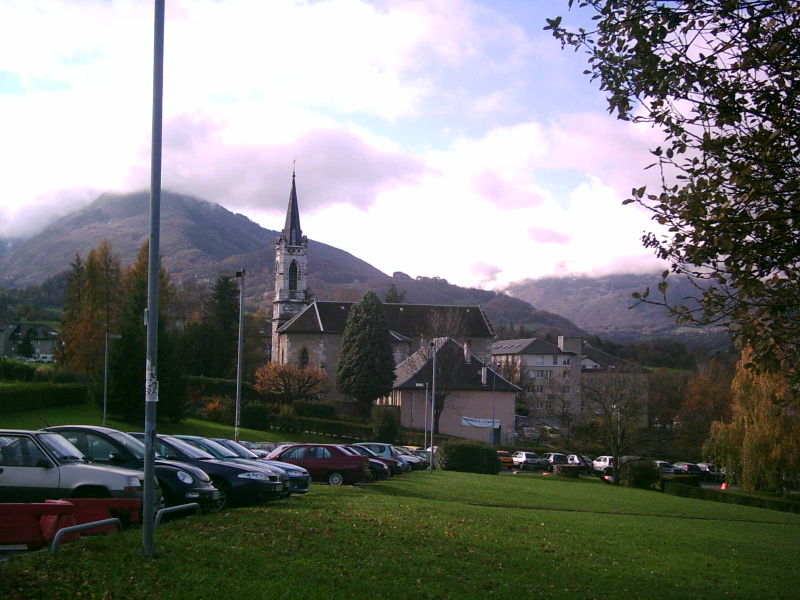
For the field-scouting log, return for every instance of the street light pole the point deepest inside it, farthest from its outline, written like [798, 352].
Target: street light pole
[151, 361]
[433, 403]
[241, 276]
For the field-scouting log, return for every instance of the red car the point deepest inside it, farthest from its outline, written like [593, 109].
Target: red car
[325, 462]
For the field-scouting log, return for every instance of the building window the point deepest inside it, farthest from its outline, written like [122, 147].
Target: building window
[539, 404]
[304, 358]
[538, 360]
[555, 359]
[566, 360]
[293, 277]
[540, 389]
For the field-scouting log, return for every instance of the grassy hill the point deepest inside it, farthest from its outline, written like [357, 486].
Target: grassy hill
[439, 535]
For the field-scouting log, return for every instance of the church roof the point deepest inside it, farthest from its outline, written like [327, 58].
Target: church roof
[526, 346]
[291, 229]
[405, 320]
[458, 373]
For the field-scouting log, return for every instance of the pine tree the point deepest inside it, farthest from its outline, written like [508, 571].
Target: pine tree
[366, 366]
[127, 360]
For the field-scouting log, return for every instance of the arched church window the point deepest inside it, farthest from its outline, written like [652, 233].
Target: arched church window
[304, 358]
[293, 277]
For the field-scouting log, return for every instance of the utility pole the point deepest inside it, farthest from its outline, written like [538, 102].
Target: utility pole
[151, 361]
[237, 419]
[433, 403]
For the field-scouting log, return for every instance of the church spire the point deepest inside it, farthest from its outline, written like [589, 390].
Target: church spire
[291, 230]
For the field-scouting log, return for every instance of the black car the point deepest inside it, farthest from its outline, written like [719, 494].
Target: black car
[299, 479]
[180, 483]
[237, 483]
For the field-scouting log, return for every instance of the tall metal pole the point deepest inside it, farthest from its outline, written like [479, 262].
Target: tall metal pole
[151, 378]
[240, 275]
[433, 403]
[425, 421]
[105, 380]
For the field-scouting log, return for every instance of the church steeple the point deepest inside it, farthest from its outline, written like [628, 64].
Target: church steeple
[291, 272]
[291, 230]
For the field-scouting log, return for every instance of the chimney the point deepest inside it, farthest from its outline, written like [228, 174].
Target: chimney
[467, 351]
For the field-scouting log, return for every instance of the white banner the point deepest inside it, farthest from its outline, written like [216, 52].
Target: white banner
[470, 422]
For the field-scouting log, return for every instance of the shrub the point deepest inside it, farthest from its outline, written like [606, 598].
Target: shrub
[256, 416]
[26, 396]
[641, 474]
[385, 425]
[220, 410]
[343, 429]
[12, 370]
[314, 410]
[467, 456]
[567, 471]
[689, 491]
[211, 386]
[287, 420]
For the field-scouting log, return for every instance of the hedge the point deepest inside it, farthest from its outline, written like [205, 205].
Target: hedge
[467, 456]
[688, 491]
[11, 370]
[27, 396]
[210, 386]
[315, 410]
[642, 474]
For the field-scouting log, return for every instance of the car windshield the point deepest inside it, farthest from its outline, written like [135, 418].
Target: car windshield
[237, 448]
[362, 451]
[213, 448]
[63, 450]
[130, 443]
[191, 451]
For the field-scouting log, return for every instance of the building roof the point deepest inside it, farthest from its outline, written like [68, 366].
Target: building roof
[526, 346]
[458, 375]
[610, 362]
[408, 321]
[291, 229]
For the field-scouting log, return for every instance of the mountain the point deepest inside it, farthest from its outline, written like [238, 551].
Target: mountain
[603, 305]
[200, 240]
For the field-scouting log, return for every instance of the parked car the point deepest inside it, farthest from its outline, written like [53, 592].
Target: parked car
[394, 466]
[691, 469]
[41, 465]
[604, 464]
[553, 459]
[180, 482]
[527, 460]
[711, 472]
[387, 451]
[325, 462]
[237, 483]
[259, 447]
[667, 468]
[378, 470]
[581, 460]
[505, 459]
[299, 480]
[417, 463]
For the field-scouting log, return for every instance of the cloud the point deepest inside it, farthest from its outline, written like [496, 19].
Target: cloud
[548, 236]
[500, 192]
[486, 272]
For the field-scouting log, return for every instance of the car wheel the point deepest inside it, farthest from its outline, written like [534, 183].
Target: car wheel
[335, 478]
[224, 499]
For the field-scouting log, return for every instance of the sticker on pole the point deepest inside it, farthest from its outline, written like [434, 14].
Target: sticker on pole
[150, 383]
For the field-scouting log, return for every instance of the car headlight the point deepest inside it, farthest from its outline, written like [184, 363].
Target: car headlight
[254, 475]
[185, 477]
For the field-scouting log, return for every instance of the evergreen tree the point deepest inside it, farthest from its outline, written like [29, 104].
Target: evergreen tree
[127, 360]
[394, 295]
[366, 366]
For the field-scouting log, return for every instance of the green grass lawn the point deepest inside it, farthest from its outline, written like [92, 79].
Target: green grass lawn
[439, 535]
[88, 414]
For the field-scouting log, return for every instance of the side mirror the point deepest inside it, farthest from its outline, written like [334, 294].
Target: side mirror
[43, 463]
[115, 457]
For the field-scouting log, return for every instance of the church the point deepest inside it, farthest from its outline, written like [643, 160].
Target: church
[307, 332]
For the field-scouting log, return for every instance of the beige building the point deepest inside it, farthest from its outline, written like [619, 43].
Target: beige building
[475, 401]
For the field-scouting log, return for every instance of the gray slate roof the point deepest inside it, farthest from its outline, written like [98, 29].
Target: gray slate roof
[526, 346]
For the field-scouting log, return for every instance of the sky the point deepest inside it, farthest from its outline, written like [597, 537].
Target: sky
[449, 138]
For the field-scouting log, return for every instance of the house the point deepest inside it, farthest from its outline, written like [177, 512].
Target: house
[32, 340]
[476, 402]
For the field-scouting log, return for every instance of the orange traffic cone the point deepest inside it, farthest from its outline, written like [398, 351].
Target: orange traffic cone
[724, 486]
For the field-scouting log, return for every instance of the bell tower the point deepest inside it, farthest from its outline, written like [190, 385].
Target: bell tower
[291, 272]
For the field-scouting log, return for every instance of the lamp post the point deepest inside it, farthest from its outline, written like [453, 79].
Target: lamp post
[241, 276]
[433, 403]
[109, 336]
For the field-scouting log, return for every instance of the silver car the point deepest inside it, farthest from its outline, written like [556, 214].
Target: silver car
[41, 465]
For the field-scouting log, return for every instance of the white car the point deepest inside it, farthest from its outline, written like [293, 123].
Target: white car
[603, 464]
[528, 460]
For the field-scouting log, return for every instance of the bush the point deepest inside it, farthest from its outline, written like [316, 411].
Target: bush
[642, 474]
[26, 396]
[220, 410]
[689, 491]
[226, 388]
[12, 370]
[314, 410]
[256, 416]
[385, 425]
[567, 471]
[467, 456]
[342, 429]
